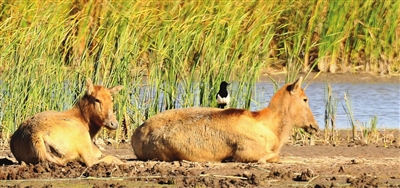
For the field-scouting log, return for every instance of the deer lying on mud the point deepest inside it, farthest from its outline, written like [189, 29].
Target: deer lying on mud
[61, 137]
[212, 134]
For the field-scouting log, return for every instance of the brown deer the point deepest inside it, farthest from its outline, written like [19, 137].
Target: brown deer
[212, 134]
[61, 137]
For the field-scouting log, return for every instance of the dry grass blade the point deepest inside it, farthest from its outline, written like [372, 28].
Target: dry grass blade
[222, 176]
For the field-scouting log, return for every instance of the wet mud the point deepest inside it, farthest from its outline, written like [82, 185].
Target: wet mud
[353, 164]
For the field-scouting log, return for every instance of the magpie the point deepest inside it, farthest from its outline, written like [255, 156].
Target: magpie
[223, 97]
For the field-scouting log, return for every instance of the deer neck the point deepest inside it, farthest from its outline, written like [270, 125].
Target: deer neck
[81, 110]
[284, 128]
[280, 122]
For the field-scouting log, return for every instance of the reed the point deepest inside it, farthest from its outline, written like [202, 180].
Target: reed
[174, 54]
[330, 115]
[369, 131]
[350, 115]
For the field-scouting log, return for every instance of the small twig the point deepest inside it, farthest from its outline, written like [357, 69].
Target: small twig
[123, 178]
[114, 169]
[135, 170]
[83, 172]
[111, 178]
[270, 181]
[311, 180]
[258, 168]
[185, 161]
[312, 79]
[292, 161]
[223, 176]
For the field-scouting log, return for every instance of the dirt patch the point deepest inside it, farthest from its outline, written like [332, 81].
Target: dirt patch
[347, 164]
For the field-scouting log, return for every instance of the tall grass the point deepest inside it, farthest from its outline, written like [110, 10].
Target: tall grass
[369, 131]
[348, 108]
[330, 114]
[175, 53]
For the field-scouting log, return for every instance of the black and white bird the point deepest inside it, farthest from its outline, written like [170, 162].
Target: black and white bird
[223, 97]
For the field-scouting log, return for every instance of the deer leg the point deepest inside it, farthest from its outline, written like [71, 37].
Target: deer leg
[93, 157]
[249, 152]
[110, 160]
[271, 158]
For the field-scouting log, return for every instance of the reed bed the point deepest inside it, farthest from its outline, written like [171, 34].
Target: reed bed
[174, 54]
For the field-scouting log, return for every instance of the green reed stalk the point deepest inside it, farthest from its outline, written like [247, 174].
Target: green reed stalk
[330, 114]
[310, 27]
[350, 116]
[369, 131]
[374, 135]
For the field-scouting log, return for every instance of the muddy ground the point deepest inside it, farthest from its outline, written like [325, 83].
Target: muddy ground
[346, 164]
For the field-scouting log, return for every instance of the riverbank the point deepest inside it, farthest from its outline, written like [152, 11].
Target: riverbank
[358, 77]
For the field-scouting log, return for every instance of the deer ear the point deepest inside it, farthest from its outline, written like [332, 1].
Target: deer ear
[89, 86]
[115, 89]
[296, 85]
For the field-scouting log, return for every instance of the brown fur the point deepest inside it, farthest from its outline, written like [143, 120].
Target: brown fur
[61, 137]
[212, 134]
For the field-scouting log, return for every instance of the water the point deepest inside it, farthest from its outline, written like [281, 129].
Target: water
[380, 99]
[368, 100]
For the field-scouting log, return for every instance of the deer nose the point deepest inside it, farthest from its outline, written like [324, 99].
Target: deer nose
[312, 128]
[315, 127]
[113, 125]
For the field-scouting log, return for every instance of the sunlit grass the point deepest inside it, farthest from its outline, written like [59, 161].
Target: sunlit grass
[174, 54]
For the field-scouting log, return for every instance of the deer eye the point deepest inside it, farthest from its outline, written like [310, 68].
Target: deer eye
[305, 100]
